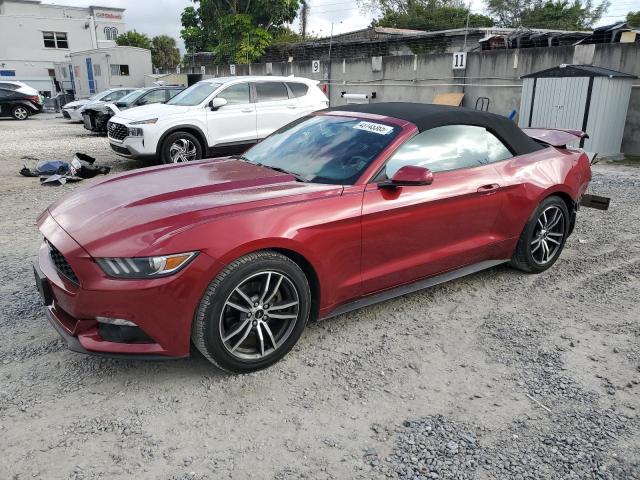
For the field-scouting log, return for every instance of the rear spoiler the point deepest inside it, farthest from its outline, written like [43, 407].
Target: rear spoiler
[555, 137]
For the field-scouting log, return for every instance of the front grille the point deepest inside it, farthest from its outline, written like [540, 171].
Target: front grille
[61, 264]
[117, 131]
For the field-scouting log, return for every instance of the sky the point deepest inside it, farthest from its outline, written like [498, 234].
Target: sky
[155, 17]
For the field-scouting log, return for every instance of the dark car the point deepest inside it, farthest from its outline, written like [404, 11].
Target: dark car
[18, 105]
[96, 117]
[335, 211]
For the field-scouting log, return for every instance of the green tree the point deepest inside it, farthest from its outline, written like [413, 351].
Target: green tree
[552, 14]
[235, 29]
[633, 18]
[133, 38]
[164, 52]
[428, 15]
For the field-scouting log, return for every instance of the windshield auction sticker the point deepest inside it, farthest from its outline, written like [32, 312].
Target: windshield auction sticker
[378, 128]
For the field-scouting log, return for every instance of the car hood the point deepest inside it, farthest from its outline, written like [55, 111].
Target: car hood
[154, 110]
[135, 213]
[75, 103]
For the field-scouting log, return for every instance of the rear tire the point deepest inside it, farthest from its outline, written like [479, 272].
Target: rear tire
[543, 237]
[20, 112]
[180, 147]
[252, 313]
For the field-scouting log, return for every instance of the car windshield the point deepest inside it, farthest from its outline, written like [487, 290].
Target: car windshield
[195, 94]
[324, 149]
[132, 97]
[100, 95]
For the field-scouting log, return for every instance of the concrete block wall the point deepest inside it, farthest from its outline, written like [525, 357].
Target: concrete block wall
[493, 74]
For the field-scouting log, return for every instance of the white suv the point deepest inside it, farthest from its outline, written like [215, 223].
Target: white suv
[214, 116]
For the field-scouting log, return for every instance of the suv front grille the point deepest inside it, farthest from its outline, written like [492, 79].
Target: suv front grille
[61, 264]
[117, 131]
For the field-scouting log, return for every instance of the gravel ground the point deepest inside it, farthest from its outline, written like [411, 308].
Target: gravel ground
[499, 375]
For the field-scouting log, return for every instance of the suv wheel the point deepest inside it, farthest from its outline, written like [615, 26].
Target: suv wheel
[180, 147]
[20, 113]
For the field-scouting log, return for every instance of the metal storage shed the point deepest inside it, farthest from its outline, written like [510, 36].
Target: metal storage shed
[581, 97]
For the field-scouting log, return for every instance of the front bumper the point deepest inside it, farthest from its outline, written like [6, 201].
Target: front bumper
[133, 147]
[162, 308]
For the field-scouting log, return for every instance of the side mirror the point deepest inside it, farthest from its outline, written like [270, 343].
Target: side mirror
[408, 176]
[142, 101]
[217, 102]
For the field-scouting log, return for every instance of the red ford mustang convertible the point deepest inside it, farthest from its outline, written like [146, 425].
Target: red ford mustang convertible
[338, 210]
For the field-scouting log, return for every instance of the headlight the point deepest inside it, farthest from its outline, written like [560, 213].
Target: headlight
[145, 122]
[145, 267]
[135, 132]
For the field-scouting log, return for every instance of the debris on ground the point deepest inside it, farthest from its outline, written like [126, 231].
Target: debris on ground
[59, 172]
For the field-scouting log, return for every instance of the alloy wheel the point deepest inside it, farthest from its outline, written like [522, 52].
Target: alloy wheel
[259, 315]
[21, 113]
[182, 150]
[548, 235]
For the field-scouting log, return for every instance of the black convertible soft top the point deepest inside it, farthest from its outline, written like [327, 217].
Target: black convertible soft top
[426, 116]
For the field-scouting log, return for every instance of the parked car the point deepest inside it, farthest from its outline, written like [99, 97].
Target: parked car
[18, 87]
[335, 211]
[18, 105]
[213, 117]
[73, 110]
[96, 115]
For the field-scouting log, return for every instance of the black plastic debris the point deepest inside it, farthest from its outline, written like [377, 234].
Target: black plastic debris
[59, 172]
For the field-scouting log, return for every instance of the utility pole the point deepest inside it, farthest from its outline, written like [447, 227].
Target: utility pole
[466, 30]
[304, 15]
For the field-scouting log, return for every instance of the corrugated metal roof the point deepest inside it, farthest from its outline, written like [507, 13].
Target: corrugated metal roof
[578, 71]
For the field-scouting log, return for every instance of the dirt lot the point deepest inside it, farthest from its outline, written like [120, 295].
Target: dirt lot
[497, 375]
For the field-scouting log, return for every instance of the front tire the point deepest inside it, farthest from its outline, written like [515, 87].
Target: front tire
[19, 112]
[252, 313]
[543, 238]
[180, 147]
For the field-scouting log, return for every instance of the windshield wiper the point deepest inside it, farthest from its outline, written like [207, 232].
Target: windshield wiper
[299, 178]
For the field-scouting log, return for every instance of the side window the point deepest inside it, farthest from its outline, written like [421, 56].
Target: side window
[4, 93]
[298, 89]
[236, 94]
[497, 151]
[271, 91]
[155, 96]
[173, 92]
[118, 94]
[449, 148]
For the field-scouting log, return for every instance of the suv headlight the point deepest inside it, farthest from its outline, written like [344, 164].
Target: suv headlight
[145, 267]
[150, 121]
[135, 132]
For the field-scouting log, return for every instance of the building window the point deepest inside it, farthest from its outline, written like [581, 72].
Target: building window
[96, 70]
[110, 33]
[119, 70]
[55, 40]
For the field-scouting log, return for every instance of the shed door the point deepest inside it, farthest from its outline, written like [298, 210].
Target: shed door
[559, 102]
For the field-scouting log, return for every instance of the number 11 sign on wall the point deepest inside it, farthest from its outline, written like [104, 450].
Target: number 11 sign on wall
[460, 60]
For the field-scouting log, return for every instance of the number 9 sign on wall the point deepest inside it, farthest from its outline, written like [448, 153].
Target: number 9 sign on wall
[460, 60]
[315, 66]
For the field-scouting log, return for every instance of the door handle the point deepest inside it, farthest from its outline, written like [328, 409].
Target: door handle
[247, 110]
[488, 189]
[292, 106]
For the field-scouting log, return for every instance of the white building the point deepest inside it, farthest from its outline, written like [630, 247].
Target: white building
[102, 68]
[37, 42]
